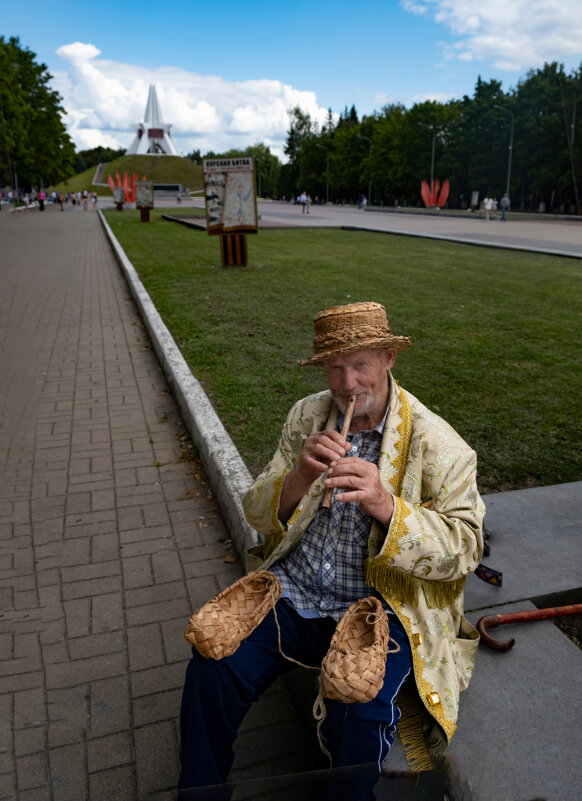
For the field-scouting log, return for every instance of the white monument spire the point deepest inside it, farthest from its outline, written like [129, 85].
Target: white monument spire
[152, 135]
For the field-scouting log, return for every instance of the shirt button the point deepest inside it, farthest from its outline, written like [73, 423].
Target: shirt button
[327, 565]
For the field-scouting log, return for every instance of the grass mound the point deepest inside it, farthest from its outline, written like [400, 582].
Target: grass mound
[160, 169]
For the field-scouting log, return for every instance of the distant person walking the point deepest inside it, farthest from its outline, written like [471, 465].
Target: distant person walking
[505, 205]
[487, 203]
[304, 203]
[41, 199]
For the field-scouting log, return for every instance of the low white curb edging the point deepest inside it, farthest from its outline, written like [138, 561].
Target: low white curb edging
[227, 474]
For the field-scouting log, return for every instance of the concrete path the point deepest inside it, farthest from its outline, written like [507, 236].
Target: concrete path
[555, 236]
[108, 540]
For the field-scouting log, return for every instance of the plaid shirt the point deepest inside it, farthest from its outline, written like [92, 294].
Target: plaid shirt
[325, 573]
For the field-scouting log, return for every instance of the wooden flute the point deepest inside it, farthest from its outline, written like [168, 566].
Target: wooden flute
[351, 405]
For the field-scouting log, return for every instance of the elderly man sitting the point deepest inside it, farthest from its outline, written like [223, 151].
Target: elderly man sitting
[402, 531]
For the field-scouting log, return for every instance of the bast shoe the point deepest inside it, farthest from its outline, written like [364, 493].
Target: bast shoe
[217, 629]
[353, 668]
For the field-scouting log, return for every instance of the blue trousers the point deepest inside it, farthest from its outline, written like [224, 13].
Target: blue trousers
[218, 694]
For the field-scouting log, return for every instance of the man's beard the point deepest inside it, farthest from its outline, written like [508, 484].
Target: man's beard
[361, 408]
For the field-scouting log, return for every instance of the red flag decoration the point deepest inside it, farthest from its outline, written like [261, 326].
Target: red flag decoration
[443, 195]
[426, 194]
[127, 184]
[431, 195]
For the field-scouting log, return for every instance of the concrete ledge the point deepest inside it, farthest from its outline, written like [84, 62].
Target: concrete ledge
[30, 207]
[227, 474]
[519, 734]
[535, 542]
[466, 241]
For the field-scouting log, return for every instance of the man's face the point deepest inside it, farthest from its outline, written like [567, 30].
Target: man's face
[362, 373]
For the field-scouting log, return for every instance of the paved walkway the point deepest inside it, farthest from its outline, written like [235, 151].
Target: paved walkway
[546, 235]
[109, 538]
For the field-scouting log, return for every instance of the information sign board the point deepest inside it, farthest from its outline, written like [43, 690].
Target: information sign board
[231, 201]
[144, 194]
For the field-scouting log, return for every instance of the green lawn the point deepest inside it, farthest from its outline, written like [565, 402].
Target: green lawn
[496, 334]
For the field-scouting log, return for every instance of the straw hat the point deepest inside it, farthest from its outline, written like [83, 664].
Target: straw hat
[346, 329]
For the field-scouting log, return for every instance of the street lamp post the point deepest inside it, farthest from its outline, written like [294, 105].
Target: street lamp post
[510, 146]
[432, 128]
[326, 174]
[367, 138]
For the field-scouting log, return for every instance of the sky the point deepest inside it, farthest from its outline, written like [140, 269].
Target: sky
[226, 73]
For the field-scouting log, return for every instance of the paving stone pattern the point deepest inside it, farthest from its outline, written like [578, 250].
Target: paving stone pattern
[108, 538]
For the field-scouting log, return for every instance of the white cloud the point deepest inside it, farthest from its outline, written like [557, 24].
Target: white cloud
[104, 99]
[514, 35]
[413, 7]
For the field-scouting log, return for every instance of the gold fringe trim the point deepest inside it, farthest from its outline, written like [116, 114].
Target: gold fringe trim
[404, 428]
[396, 531]
[410, 732]
[394, 583]
[423, 687]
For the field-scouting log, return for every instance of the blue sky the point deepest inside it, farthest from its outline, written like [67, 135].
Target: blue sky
[227, 72]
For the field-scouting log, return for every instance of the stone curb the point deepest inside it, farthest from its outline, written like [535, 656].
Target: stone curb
[225, 470]
[571, 254]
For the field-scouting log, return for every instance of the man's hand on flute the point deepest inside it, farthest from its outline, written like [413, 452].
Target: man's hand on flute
[320, 450]
[360, 483]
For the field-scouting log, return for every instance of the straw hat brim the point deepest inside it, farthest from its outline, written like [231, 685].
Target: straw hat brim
[392, 342]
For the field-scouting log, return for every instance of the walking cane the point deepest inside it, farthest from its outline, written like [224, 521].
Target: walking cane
[491, 621]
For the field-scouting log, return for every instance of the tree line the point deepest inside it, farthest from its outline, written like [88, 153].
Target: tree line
[35, 148]
[525, 141]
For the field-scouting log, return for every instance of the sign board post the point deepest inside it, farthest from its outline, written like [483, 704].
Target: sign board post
[119, 197]
[231, 205]
[144, 198]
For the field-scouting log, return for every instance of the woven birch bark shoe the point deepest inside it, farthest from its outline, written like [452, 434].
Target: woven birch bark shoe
[217, 629]
[353, 668]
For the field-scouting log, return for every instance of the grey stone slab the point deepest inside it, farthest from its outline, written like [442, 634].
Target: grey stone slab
[536, 543]
[519, 735]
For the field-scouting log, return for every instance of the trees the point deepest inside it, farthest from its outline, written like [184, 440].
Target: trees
[545, 126]
[95, 156]
[267, 169]
[35, 148]
[267, 166]
[471, 138]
